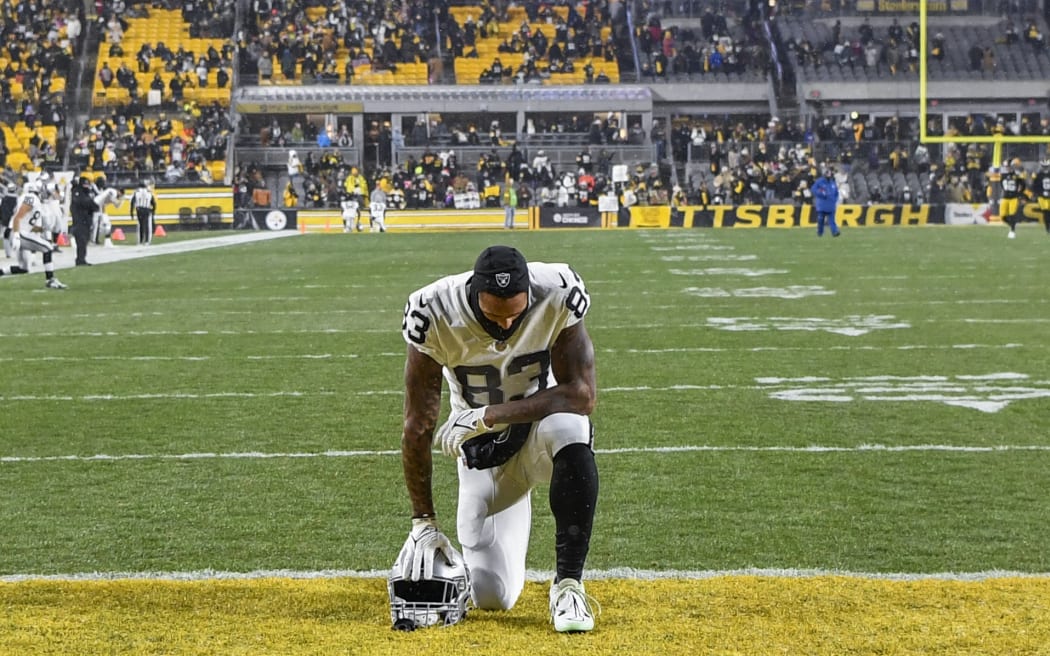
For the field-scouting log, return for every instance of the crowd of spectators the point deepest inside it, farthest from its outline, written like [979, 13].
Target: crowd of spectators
[334, 39]
[437, 178]
[754, 160]
[41, 41]
[894, 48]
[165, 149]
[715, 46]
[175, 67]
[549, 42]
[330, 41]
[761, 160]
[894, 51]
[737, 160]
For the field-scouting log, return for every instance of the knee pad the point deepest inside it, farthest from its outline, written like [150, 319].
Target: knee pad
[489, 591]
[562, 429]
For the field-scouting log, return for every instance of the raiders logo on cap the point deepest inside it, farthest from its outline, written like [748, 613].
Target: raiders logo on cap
[500, 270]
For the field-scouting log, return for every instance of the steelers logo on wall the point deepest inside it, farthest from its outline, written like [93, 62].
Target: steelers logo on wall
[276, 220]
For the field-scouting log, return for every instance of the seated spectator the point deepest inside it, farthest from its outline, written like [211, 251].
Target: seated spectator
[115, 27]
[976, 55]
[937, 47]
[1010, 35]
[105, 75]
[176, 86]
[1034, 37]
[988, 64]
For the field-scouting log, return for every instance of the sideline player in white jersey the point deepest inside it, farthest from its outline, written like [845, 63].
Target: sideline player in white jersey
[351, 205]
[30, 228]
[55, 216]
[103, 226]
[377, 210]
[509, 339]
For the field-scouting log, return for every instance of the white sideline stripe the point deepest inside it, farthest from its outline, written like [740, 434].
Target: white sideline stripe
[540, 576]
[193, 333]
[334, 356]
[702, 448]
[185, 358]
[170, 395]
[234, 313]
[841, 347]
[1004, 321]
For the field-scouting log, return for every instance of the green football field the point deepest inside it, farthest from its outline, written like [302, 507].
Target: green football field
[868, 413]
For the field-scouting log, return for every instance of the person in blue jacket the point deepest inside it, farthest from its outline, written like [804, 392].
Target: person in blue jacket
[825, 200]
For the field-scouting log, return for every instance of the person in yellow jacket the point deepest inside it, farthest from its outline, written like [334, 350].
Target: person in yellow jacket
[356, 183]
[291, 198]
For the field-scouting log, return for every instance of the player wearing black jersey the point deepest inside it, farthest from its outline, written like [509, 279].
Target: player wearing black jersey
[1012, 183]
[1041, 190]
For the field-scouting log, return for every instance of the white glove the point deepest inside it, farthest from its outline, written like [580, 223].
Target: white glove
[425, 541]
[16, 241]
[460, 427]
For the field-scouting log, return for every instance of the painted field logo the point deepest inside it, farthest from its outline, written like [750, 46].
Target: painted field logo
[727, 271]
[986, 392]
[790, 292]
[851, 326]
[726, 257]
[694, 247]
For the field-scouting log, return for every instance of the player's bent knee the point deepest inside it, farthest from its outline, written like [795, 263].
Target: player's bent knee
[489, 591]
[561, 429]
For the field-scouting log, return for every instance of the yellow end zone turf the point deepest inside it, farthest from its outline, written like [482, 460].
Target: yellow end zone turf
[724, 615]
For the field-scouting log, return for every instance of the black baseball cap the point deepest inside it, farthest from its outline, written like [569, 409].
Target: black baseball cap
[501, 271]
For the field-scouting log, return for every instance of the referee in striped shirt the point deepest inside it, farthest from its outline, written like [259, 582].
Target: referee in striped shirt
[143, 205]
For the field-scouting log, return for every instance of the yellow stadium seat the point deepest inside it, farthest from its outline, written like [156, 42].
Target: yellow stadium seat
[18, 159]
[218, 170]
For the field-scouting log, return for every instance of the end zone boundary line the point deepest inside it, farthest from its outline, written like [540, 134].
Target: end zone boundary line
[530, 575]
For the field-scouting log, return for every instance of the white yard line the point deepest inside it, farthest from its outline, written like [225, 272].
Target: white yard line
[540, 576]
[388, 354]
[365, 453]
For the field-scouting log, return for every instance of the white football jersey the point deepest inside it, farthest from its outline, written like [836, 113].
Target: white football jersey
[54, 217]
[108, 196]
[35, 219]
[479, 369]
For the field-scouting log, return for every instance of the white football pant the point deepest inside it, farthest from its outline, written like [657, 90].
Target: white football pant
[495, 510]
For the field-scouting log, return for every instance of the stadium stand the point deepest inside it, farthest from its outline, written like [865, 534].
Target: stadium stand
[864, 49]
[160, 149]
[716, 48]
[41, 44]
[539, 44]
[335, 42]
[727, 109]
[156, 57]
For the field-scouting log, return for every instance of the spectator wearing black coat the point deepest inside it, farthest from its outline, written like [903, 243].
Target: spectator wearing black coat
[82, 206]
